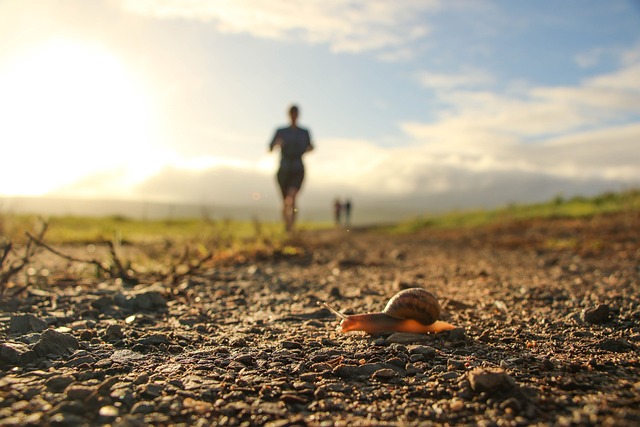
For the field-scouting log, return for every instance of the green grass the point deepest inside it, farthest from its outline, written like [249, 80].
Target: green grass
[83, 230]
[236, 234]
[578, 207]
[78, 230]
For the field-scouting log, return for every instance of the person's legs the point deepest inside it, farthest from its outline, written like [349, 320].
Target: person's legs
[283, 183]
[289, 212]
[290, 183]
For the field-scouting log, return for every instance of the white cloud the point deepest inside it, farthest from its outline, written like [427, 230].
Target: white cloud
[347, 26]
[590, 58]
[607, 152]
[626, 79]
[500, 172]
[471, 78]
[531, 112]
[573, 134]
[631, 56]
[598, 55]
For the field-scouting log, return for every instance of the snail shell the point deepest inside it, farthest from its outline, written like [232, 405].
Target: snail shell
[411, 310]
[415, 303]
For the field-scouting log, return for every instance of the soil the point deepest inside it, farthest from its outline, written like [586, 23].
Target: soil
[547, 333]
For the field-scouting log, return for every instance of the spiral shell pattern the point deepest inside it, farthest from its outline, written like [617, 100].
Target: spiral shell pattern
[414, 303]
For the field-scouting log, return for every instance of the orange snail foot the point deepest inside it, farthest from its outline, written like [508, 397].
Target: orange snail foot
[418, 328]
[440, 326]
[406, 325]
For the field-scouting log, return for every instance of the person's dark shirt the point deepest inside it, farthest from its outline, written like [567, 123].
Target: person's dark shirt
[294, 142]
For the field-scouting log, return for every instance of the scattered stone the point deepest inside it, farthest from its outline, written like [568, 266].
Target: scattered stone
[423, 350]
[12, 353]
[246, 359]
[102, 303]
[143, 378]
[198, 406]
[154, 339]
[334, 293]
[385, 374]
[407, 338]
[108, 411]
[152, 390]
[511, 404]
[58, 383]
[24, 323]
[309, 376]
[78, 392]
[490, 380]
[456, 404]
[81, 360]
[485, 336]
[346, 371]
[457, 334]
[144, 300]
[104, 389]
[113, 333]
[53, 343]
[291, 345]
[66, 419]
[143, 407]
[595, 315]
[448, 376]
[417, 358]
[126, 356]
[87, 335]
[290, 398]
[615, 345]
[368, 369]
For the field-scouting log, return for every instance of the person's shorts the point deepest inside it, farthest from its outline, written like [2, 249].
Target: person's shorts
[290, 179]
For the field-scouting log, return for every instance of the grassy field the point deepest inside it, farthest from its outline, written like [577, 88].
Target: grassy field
[84, 230]
[556, 208]
[229, 233]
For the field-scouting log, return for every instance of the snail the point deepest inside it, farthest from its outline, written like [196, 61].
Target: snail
[411, 310]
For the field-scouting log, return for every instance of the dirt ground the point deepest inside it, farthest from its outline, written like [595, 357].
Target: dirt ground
[547, 333]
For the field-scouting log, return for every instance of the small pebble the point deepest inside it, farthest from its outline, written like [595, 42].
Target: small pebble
[456, 405]
[108, 411]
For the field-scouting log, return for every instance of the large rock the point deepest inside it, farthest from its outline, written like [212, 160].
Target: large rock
[12, 353]
[53, 343]
[595, 315]
[25, 323]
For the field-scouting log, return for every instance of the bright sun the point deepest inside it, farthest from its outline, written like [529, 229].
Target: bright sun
[69, 110]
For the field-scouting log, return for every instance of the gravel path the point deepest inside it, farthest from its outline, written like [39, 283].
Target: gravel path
[547, 316]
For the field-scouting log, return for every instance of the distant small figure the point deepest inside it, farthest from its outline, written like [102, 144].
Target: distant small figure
[347, 213]
[294, 142]
[337, 211]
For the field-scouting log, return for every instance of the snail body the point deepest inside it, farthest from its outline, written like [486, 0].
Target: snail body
[413, 310]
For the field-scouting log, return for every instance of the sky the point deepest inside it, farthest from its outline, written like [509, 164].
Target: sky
[413, 106]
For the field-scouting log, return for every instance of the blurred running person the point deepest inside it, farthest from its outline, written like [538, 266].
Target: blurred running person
[337, 211]
[294, 142]
[347, 213]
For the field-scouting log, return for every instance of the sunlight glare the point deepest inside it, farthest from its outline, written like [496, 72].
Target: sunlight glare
[69, 110]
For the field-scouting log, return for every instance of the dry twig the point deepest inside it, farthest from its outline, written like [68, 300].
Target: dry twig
[192, 267]
[10, 269]
[117, 271]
